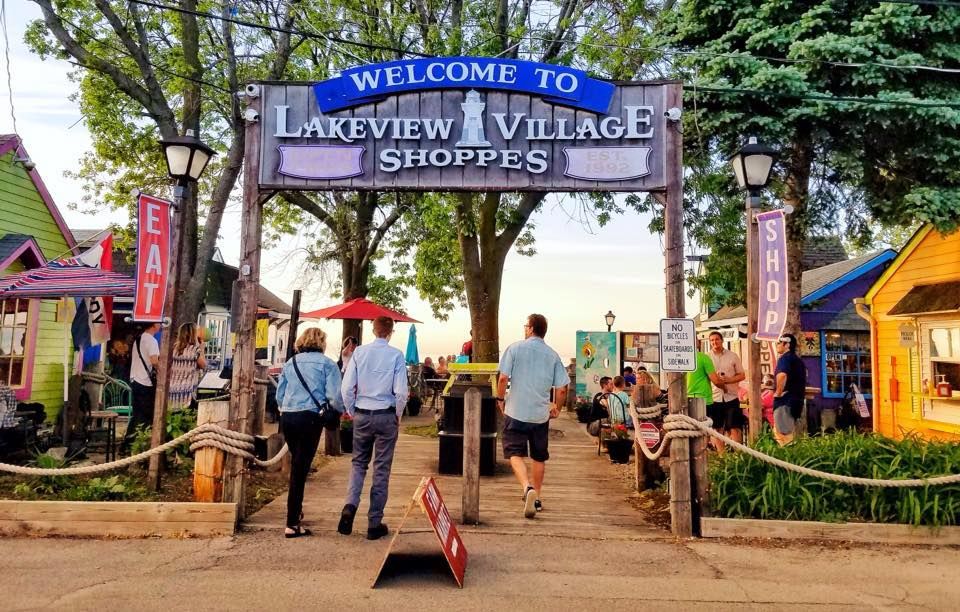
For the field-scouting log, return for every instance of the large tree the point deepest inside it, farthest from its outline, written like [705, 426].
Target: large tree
[146, 73]
[861, 98]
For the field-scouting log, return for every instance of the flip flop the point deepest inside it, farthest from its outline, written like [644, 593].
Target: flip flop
[298, 532]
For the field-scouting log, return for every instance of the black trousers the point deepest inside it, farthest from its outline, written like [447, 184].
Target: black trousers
[142, 412]
[302, 431]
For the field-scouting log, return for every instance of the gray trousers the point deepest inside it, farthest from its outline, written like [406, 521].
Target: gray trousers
[373, 432]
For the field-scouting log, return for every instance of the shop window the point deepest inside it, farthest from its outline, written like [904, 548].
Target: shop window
[945, 355]
[14, 325]
[940, 361]
[845, 362]
[216, 331]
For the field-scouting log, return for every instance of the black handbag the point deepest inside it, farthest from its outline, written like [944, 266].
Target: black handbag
[329, 417]
[151, 371]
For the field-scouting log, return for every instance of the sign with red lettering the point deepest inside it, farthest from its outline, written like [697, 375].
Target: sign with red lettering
[153, 258]
[772, 306]
[428, 496]
[649, 433]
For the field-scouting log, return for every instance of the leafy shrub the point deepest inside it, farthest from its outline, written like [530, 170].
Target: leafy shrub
[77, 488]
[745, 487]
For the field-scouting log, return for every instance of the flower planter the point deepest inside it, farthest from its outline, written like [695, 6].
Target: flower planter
[619, 449]
[346, 440]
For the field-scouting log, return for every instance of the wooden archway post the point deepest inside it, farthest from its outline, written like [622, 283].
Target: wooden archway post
[681, 509]
[243, 306]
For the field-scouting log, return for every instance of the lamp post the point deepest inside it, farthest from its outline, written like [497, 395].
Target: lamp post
[751, 166]
[610, 318]
[187, 157]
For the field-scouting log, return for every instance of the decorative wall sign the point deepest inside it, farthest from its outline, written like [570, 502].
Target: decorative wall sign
[464, 124]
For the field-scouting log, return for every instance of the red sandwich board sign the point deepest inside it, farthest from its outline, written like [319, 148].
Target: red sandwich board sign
[428, 497]
[153, 258]
[649, 434]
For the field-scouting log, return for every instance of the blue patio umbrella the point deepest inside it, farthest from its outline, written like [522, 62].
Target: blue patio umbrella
[413, 355]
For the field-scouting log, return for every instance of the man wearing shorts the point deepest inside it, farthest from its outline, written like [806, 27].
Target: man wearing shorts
[725, 410]
[533, 370]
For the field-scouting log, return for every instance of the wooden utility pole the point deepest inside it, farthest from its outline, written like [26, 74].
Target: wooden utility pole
[753, 297]
[698, 460]
[471, 457]
[681, 512]
[294, 322]
[244, 308]
[159, 428]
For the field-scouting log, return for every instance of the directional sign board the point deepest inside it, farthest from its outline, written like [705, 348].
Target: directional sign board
[427, 497]
[678, 345]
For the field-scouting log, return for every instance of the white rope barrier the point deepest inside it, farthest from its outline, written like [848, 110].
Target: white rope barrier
[685, 426]
[204, 436]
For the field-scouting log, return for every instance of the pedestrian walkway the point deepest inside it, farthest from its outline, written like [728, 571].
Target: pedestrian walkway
[583, 495]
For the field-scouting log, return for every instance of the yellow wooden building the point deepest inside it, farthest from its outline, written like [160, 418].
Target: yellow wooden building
[914, 313]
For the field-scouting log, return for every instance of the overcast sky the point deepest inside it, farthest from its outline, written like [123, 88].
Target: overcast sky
[577, 274]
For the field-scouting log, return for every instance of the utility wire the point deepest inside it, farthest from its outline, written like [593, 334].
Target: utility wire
[830, 99]
[324, 37]
[6, 53]
[947, 3]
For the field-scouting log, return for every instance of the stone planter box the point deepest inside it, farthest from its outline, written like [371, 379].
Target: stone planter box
[117, 519]
[810, 530]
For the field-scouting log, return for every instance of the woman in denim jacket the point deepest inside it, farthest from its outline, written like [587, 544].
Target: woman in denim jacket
[300, 418]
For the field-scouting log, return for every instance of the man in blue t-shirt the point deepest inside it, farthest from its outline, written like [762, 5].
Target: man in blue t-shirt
[791, 381]
[533, 370]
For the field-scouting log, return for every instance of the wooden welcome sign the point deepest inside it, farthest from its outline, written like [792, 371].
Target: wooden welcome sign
[427, 497]
[464, 124]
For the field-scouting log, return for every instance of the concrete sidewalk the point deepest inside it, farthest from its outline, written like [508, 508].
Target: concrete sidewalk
[588, 550]
[262, 571]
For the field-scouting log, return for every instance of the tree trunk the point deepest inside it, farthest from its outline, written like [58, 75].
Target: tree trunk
[796, 194]
[483, 298]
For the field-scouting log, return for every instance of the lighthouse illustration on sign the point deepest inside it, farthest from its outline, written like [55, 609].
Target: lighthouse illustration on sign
[472, 134]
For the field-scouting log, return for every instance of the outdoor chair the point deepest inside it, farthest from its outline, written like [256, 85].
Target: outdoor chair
[117, 397]
[617, 416]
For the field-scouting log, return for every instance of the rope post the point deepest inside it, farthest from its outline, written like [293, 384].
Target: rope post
[470, 504]
[698, 467]
[208, 463]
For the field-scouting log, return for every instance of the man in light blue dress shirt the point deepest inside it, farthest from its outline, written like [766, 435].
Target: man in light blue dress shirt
[533, 369]
[375, 393]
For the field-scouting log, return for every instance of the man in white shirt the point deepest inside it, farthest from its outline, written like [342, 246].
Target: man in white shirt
[725, 410]
[144, 358]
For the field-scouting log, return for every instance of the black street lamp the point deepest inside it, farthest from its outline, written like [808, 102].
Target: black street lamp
[610, 318]
[751, 166]
[187, 157]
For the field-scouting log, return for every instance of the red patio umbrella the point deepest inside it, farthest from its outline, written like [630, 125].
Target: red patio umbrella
[358, 309]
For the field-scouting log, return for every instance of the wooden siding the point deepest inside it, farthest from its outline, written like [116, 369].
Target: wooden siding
[23, 211]
[934, 259]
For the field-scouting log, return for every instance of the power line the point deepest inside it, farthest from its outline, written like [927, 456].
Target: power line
[829, 99]
[324, 37]
[947, 3]
[6, 53]
[748, 56]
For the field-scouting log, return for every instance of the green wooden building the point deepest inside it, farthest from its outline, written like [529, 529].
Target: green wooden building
[31, 233]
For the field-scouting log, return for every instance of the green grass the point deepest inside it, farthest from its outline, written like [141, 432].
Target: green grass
[427, 431]
[744, 487]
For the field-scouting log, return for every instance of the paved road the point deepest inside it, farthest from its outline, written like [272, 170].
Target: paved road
[262, 571]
